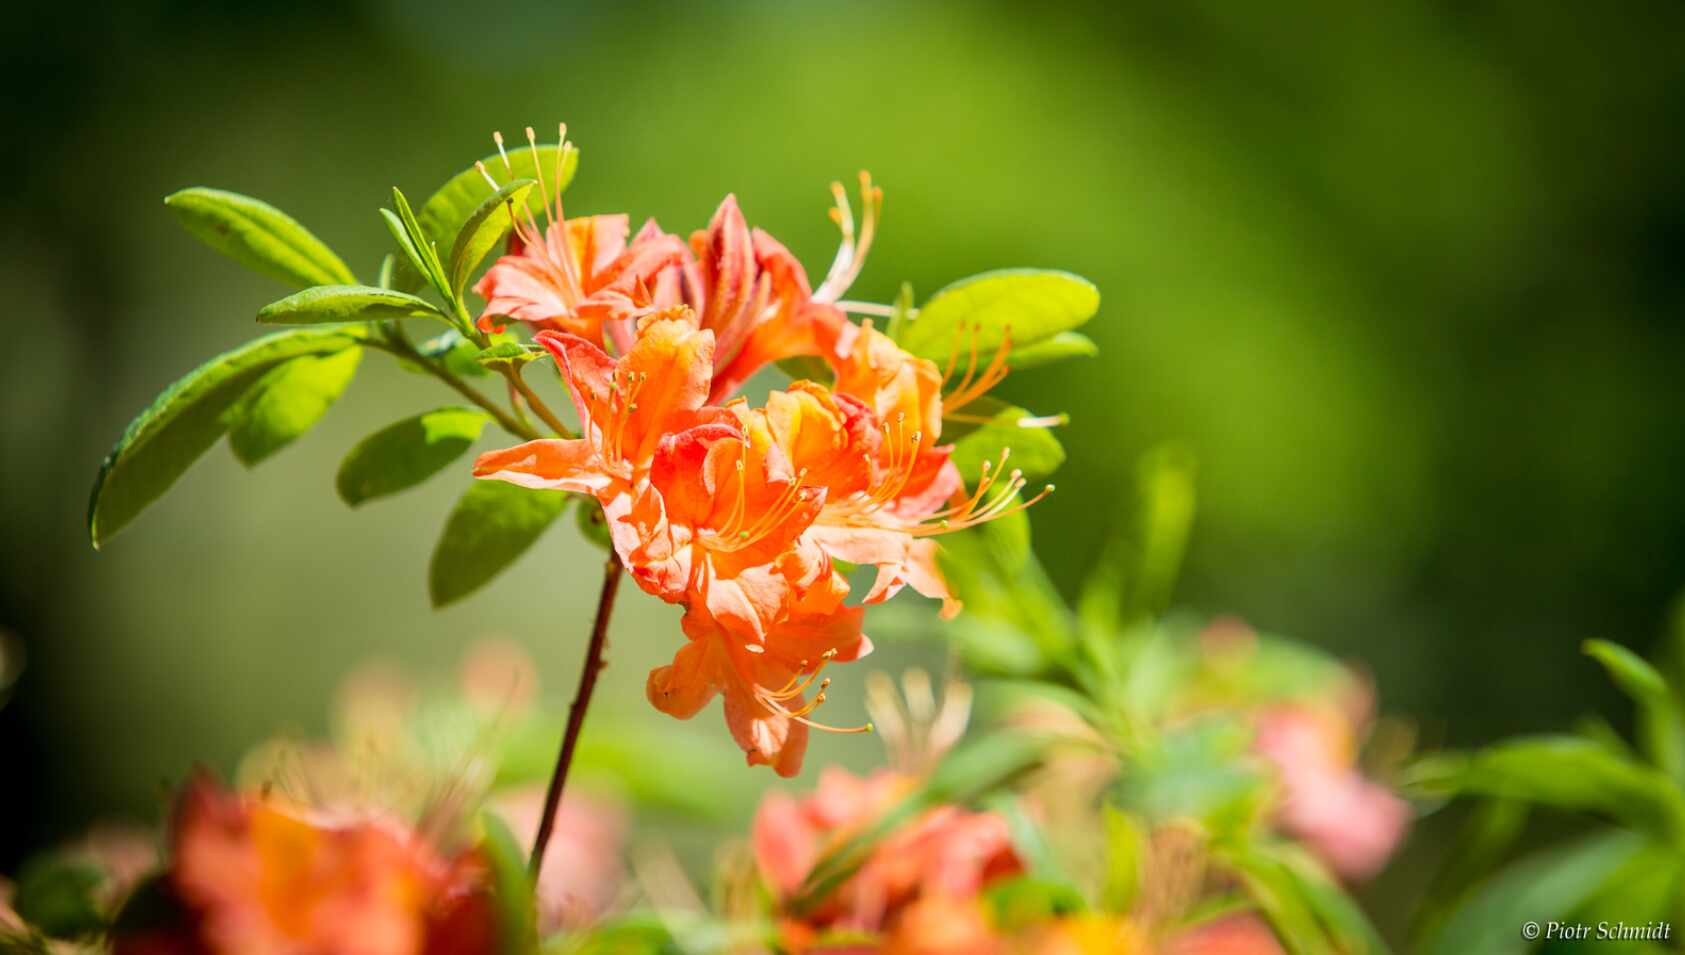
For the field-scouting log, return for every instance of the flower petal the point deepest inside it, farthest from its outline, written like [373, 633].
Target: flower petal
[546, 464]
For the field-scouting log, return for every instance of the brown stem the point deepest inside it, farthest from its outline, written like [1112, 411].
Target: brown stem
[576, 713]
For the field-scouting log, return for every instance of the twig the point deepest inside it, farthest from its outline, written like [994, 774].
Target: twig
[594, 664]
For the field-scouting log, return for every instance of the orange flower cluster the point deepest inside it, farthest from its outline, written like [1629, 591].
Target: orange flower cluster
[740, 514]
[256, 876]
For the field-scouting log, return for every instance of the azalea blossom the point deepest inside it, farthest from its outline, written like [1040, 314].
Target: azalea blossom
[255, 875]
[570, 275]
[944, 853]
[737, 513]
[1350, 821]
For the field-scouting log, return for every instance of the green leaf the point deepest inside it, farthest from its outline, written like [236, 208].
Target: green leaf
[402, 455]
[1126, 850]
[485, 227]
[511, 355]
[1027, 901]
[1661, 726]
[443, 215]
[1281, 899]
[184, 421]
[58, 895]
[1166, 478]
[1034, 305]
[1566, 772]
[1029, 442]
[1340, 915]
[492, 524]
[287, 402]
[345, 303]
[425, 247]
[1052, 349]
[512, 889]
[458, 353]
[1544, 887]
[258, 236]
[1490, 832]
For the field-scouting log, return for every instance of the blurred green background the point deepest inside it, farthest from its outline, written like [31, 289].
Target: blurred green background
[1406, 277]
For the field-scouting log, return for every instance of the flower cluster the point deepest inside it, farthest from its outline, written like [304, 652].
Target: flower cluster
[741, 514]
[257, 874]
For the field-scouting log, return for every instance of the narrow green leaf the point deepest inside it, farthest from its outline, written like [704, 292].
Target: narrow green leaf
[1490, 833]
[184, 421]
[485, 227]
[1545, 887]
[388, 262]
[405, 271]
[287, 402]
[1661, 725]
[1282, 901]
[345, 303]
[426, 247]
[1029, 442]
[492, 524]
[1566, 772]
[404, 454]
[1340, 915]
[258, 236]
[517, 916]
[1126, 848]
[1168, 498]
[1052, 349]
[442, 216]
[1031, 305]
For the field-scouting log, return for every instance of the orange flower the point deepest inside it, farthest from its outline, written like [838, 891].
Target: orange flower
[764, 683]
[889, 489]
[945, 853]
[572, 275]
[746, 287]
[626, 407]
[255, 876]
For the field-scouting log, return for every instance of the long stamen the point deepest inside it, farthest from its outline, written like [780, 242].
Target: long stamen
[969, 390]
[851, 252]
[497, 137]
[538, 170]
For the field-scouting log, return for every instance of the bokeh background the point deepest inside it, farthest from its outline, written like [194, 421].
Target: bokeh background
[1406, 277]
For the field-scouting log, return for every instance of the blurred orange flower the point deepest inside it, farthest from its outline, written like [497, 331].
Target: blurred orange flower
[256, 876]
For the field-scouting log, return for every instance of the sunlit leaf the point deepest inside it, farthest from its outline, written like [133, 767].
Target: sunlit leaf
[1054, 348]
[510, 355]
[187, 419]
[258, 236]
[345, 303]
[402, 455]
[484, 228]
[979, 312]
[492, 524]
[442, 216]
[287, 402]
[1028, 441]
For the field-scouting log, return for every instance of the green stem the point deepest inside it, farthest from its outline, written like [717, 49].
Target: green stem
[403, 349]
[538, 407]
